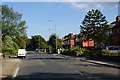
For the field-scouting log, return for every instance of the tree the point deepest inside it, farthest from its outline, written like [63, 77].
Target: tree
[7, 43]
[29, 44]
[52, 42]
[0, 29]
[21, 41]
[94, 26]
[9, 46]
[12, 24]
[38, 42]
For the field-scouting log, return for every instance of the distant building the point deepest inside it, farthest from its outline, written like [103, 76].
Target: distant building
[76, 40]
[68, 41]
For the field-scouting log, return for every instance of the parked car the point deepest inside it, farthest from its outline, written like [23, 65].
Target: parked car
[113, 48]
[37, 50]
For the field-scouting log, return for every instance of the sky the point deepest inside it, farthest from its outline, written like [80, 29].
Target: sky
[42, 17]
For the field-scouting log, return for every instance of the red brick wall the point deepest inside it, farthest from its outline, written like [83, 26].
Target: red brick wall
[116, 37]
[88, 43]
[71, 42]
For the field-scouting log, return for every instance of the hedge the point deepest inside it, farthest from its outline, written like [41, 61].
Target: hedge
[109, 52]
[9, 51]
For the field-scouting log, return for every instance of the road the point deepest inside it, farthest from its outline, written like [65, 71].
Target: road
[52, 67]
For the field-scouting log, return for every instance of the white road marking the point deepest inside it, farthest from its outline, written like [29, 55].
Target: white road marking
[15, 74]
[79, 72]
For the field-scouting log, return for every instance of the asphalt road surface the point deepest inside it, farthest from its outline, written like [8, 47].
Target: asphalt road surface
[45, 66]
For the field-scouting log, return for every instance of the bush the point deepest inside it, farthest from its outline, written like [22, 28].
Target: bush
[81, 51]
[8, 51]
[94, 51]
[66, 52]
[15, 47]
[78, 51]
[109, 52]
[9, 46]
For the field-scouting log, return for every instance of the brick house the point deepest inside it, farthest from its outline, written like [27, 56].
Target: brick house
[88, 44]
[77, 40]
[116, 31]
[68, 41]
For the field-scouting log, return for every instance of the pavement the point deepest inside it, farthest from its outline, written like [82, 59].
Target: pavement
[8, 67]
[100, 62]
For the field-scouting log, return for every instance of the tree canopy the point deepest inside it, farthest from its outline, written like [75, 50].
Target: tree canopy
[52, 41]
[94, 26]
[13, 29]
[39, 42]
[12, 23]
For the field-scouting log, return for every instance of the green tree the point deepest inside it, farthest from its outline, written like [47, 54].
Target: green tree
[12, 23]
[7, 43]
[0, 29]
[9, 46]
[52, 42]
[29, 44]
[94, 26]
[39, 42]
[21, 41]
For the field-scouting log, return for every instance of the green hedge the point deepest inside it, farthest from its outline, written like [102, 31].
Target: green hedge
[9, 51]
[109, 52]
[75, 51]
[85, 52]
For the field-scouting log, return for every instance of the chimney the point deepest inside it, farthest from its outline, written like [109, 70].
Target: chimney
[118, 18]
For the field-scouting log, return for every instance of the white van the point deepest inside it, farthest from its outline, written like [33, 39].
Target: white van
[21, 53]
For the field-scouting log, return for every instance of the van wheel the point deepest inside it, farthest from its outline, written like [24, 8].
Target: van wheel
[24, 57]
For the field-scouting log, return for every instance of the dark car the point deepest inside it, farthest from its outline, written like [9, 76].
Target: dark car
[113, 48]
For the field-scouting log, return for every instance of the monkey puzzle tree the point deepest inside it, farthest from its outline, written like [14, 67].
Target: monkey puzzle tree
[94, 26]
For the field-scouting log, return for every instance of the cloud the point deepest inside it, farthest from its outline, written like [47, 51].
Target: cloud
[93, 5]
[79, 6]
[59, 0]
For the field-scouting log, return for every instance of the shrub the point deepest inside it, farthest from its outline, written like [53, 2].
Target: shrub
[8, 51]
[106, 52]
[15, 47]
[81, 51]
[9, 46]
[78, 51]
[94, 51]
[109, 52]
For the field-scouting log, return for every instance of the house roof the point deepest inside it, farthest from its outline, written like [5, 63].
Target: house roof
[117, 24]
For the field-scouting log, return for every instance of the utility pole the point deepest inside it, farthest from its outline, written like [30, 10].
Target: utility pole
[56, 38]
[49, 45]
[39, 45]
[49, 37]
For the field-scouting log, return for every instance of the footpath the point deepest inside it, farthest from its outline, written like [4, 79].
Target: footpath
[8, 67]
[100, 62]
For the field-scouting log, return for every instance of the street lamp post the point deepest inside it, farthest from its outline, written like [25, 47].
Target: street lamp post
[55, 34]
[38, 45]
[56, 38]
[49, 38]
